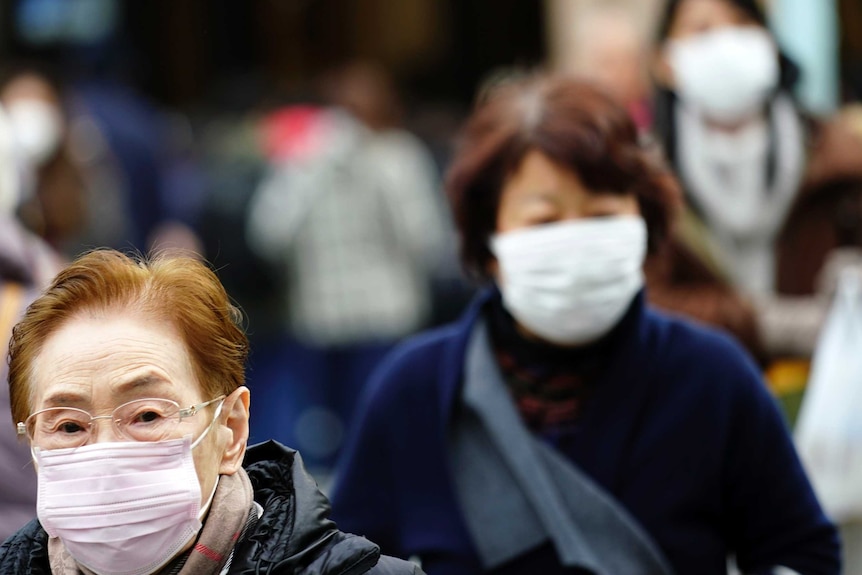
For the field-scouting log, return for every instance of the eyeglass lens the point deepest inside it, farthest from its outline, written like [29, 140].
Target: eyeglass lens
[140, 420]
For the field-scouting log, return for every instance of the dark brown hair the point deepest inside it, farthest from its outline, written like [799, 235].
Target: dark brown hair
[572, 123]
[179, 290]
[750, 8]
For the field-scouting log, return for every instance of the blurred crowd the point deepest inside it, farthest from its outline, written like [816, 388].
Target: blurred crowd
[323, 216]
[326, 219]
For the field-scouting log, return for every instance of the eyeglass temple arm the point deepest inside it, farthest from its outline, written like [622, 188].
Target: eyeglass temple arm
[195, 408]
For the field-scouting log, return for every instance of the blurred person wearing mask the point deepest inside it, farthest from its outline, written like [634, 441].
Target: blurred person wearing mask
[52, 182]
[563, 425]
[771, 195]
[26, 265]
[126, 377]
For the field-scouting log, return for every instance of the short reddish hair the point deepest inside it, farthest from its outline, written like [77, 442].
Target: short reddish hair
[572, 123]
[179, 290]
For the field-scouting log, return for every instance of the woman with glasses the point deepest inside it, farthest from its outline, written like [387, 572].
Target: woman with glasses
[126, 377]
[562, 425]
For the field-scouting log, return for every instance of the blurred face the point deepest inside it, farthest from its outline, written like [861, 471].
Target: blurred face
[568, 259]
[36, 117]
[542, 192]
[695, 17]
[99, 362]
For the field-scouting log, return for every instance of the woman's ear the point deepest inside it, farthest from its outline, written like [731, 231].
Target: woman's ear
[235, 422]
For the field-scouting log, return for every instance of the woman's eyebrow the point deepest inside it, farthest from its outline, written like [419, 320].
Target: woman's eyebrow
[63, 398]
[146, 381]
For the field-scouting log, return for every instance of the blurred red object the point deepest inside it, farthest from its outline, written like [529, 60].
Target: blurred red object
[294, 132]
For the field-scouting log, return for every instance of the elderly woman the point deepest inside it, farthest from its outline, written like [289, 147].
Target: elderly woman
[562, 425]
[127, 379]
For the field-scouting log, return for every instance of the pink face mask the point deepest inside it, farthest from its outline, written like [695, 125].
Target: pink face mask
[121, 508]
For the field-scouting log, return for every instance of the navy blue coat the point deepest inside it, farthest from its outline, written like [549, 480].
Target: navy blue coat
[681, 431]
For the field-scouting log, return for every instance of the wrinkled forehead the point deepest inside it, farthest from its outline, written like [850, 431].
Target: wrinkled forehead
[90, 361]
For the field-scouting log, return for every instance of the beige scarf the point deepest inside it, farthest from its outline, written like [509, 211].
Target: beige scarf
[223, 526]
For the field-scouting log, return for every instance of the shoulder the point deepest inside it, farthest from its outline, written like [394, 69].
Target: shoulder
[834, 148]
[355, 554]
[400, 144]
[709, 390]
[399, 418]
[833, 170]
[295, 530]
[419, 365]
[683, 340]
[408, 392]
[25, 551]
[693, 358]
[425, 349]
[436, 348]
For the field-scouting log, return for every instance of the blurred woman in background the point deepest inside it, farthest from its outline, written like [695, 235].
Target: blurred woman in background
[770, 195]
[562, 424]
[27, 265]
[53, 194]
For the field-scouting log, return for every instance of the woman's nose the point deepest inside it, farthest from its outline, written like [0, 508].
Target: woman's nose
[103, 430]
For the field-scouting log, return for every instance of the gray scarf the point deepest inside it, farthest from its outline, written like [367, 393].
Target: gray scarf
[517, 493]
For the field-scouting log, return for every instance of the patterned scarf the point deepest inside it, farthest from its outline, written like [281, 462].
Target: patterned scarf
[231, 515]
[549, 384]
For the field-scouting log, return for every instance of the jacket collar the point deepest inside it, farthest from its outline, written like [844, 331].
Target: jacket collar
[294, 532]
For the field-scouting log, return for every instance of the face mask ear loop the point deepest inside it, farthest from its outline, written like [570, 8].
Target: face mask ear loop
[206, 506]
[210, 426]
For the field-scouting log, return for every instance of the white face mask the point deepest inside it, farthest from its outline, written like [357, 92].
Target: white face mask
[38, 128]
[122, 508]
[725, 74]
[571, 282]
[10, 183]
